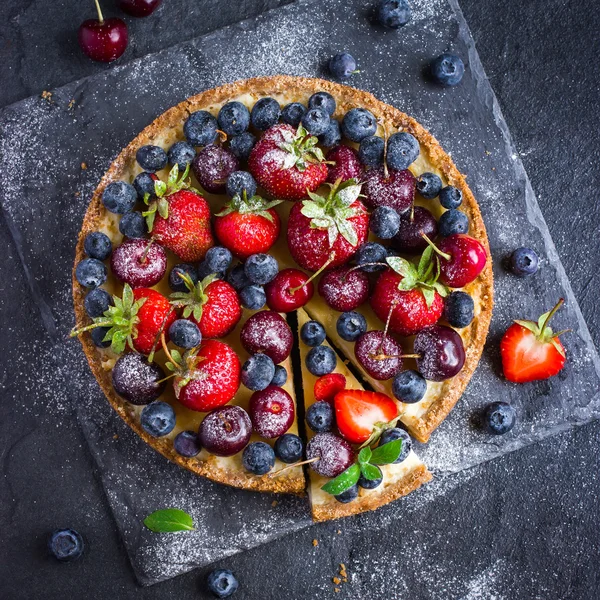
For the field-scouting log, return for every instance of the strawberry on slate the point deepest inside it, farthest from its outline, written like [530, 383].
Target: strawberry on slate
[327, 230]
[287, 162]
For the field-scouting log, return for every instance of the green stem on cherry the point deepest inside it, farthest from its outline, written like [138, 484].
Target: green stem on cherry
[100, 17]
[331, 258]
[296, 464]
[435, 248]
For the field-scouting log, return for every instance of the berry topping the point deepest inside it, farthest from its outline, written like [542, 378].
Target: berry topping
[385, 222]
[351, 325]
[200, 128]
[369, 484]
[450, 197]
[409, 387]
[523, 262]
[395, 189]
[320, 417]
[348, 495]
[265, 113]
[97, 302]
[459, 309]
[186, 444]
[441, 352]
[218, 259]
[119, 197]
[358, 123]
[267, 332]
[280, 376]
[66, 545]
[461, 259]
[371, 151]
[177, 279]
[321, 360]
[240, 182]
[144, 184]
[253, 297]
[324, 101]
[233, 118]
[292, 113]
[237, 278]
[258, 372]
[379, 354]
[342, 65]
[344, 288]
[332, 454]
[271, 411]
[133, 225]
[412, 225]
[345, 164]
[327, 386]
[390, 435]
[241, 145]
[332, 135]
[103, 40]
[157, 418]
[452, 222]
[136, 379]
[181, 154]
[91, 273]
[429, 185]
[261, 268]
[258, 458]
[140, 263]
[312, 333]
[371, 257]
[289, 448]
[222, 583]
[447, 69]
[212, 166]
[97, 245]
[225, 431]
[402, 151]
[290, 290]
[139, 8]
[316, 121]
[151, 158]
[499, 418]
[185, 334]
[100, 337]
[394, 13]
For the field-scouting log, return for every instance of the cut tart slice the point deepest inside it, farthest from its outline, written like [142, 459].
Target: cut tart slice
[398, 479]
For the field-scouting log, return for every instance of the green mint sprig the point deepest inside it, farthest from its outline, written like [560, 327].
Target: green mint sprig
[169, 520]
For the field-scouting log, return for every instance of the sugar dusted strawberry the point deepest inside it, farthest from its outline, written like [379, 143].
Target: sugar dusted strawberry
[395, 189]
[327, 386]
[344, 164]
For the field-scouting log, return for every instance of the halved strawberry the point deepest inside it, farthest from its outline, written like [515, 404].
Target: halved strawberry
[361, 415]
[327, 386]
[531, 351]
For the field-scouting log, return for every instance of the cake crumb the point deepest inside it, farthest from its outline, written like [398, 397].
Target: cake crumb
[46, 95]
[71, 103]
[83, 166]
[336, 590]
[274, 503]
[315, 543]
[339, 531]
[116, 436]
[336, 580]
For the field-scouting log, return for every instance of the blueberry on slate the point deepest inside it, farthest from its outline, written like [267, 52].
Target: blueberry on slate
[450, 197]
[91, 273]
[241, 145]
[429, 185]
[261, 268]
[239, 181]
[358, 123]
[394, 13]
[351, 325]
[65, 545]
[349, 495]
[459, 309]
[151, 158]
[409, 386]
[292, 113]
[370, 484]
[157, 418]
[136, 379]
[200, 129]
[389, 435]
[402, 150]
[144, 184]
[176, 283]
[258, 458]
[312, 333]
[332, 136]
[322, 100]
[119, 197]
[218, 259]
[185, 334]
[253, 297]
[448, 69]
[233, 118]
[186, 444]
[257, 372]
[280, 376]
[370, 151]
[524, 262]
[321, 360]
[97, 245]
[371, 256]
[181, 154]
[319, 416]
[265, 113]
[133, 225]
[342, 65]
[316, 121]
[222, 583]
[499, 418]
[237, 278]
[453, 221]
[97, 302]
[384, 222]
[98, 334]
[289, 448]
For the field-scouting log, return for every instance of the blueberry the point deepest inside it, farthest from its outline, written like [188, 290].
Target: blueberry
[222, 583]
[91, 273]
[144, 184]
[342, 65]
[241, 145]
[370, 151]
[384, 222]
[321, 360]
[253, 297]
[448, 69]
[372, 256]
[97, 302]
[280, 376]
[349, 495]
[157, 418]
[186, 444]
[402, 151]
[261, 268]
[133, 225]
[389, 435]
[322, 100]
[97, 245]
[181, 154]
[450, 197]
[265, 113]
[429, 185]
[237, 278]
[453, 221]
[258, 372]
[524, 262]
[319, 416]
[312, 333]
[292, 113]
[358, 123]
[499, 418]
[289, 448]
[185, 334]
[233, 118]
[316, 121]
[176, 283]
[98, 334]
[200, 129]
[218, 259]
[119, 197]
[66, 545]
[370, 484]
[351, 325]
[332, 136]
[238, 182]
[394, 13]
[258, 458]
[459, 309]
[204, 270]
[409, 386]
[151, 158]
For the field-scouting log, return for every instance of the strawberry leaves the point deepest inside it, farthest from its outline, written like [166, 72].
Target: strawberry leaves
[542, 331]
[194, 299]
[301, 149]
[256, 205]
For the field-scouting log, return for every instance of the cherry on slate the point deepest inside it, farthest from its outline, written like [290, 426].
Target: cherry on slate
[103, 40]
[139, 8]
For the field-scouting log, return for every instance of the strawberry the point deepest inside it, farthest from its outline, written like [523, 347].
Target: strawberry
[287, 163]
[327, 231]
[531, 351]
[410, 297]
[213, 304]
[179, 217]
[327, 386]
[248, 226]
[362, 416]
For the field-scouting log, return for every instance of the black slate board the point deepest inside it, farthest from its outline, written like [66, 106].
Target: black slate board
[43, 144]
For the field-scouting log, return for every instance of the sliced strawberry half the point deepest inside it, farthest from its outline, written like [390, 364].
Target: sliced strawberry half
[327, 386]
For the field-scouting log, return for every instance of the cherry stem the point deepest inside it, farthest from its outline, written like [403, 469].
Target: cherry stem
[387, 325]
[293, 290]
[371, 264]
[435, 248]
[163, 343]
[551, 314]
[100, 17]
[167, 378]
[147, 249]
[159, 336]
[386, 173]
[381, 356]
[297, 464]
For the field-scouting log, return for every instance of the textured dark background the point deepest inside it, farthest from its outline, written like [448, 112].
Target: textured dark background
[524, 526]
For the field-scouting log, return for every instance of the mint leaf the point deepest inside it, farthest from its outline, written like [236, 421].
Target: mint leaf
[364, 456]
[343, 481]
[388, 453]
[168, 520]
[370, 472]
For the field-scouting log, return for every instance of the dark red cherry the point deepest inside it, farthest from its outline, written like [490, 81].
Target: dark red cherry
[139, 263]
[346, 164]
[409, 238]
[396, 191]
[334, 454]
[465, 259]
[271, 412]
[380, 355]
[441, 350]
[225, 431]
[139, 8]
[103, 40]
[289, 290]
[267, 331]
[344, 288]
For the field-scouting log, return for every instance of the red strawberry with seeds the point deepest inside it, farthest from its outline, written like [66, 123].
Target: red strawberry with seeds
[386, 187]
[327, 386]
[345, 164]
